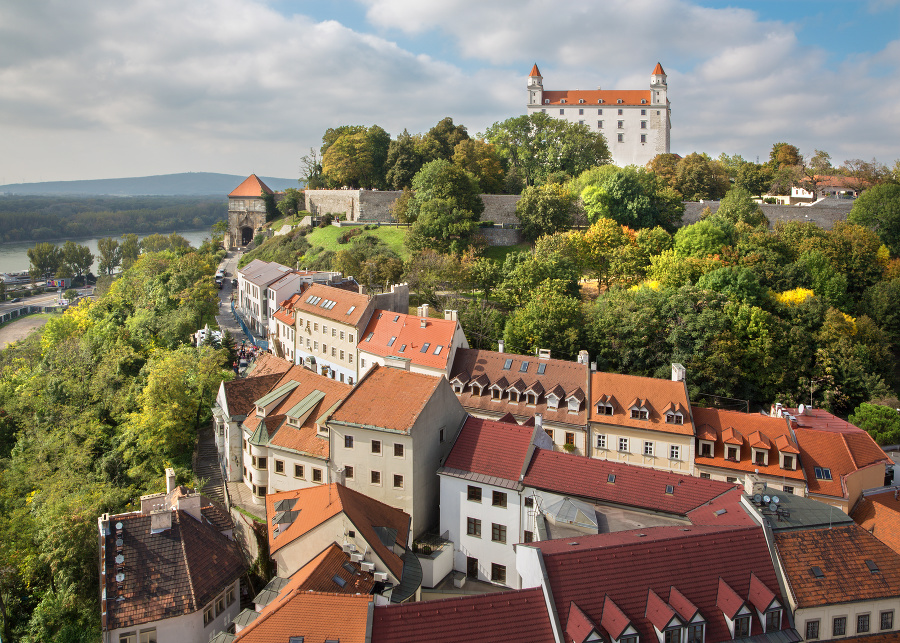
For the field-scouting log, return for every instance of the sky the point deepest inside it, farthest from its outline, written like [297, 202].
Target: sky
[93, 89]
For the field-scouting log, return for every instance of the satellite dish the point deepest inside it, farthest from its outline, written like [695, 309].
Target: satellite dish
[767, 499]
[120, 559]
[118, 525]
[119, 542]
[773, 507]
[120, 577]
[776, 499]
[757, 498]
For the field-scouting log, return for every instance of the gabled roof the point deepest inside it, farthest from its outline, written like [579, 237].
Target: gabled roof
[746, 431]
[841, 554]
[267, 364]
[348, 307]
[319, 574]
[658, 612]
[623, 572]
[728, 600]
[842, 450]
[503, 617]
[633, 486]
[317, 505]
[879, 514]
[654, 394]
[490, 448]
[388, 398]
[535, 71]
[252, 186]
[579, 627]
[658, 70]
[488, 368]
[685, 608]
[610, 97]
[409, 338]
[241, 393]
[761, 597]
[313, 617]
[174, 572]
[262, 273]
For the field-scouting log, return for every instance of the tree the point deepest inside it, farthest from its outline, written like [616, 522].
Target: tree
[699, 177]
[441, 140]
[523, 273]
[311, 170]
[619, 196]
[736, 282]
[783, 154]
[291, 203]
[441, 179]
[442, 226]
[545, 209]
[77, 257]
[348, 160]
[881, 422]
[738, 207]
[110, 255]
[664, 166]
[45, 259]
[481, 160]
[754, 178]
[404, 160]
[550, 319]
[878, 208]
[129, 249]
[536, 146]
[865, 174]
[701, 239]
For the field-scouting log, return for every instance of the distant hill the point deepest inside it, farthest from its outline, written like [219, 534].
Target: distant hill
[185, 184]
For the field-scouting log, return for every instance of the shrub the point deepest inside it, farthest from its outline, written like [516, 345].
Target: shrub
[569, 447]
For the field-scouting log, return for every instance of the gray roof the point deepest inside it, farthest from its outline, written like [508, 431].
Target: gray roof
[270, 592]
[411, 578]
[796, 512]
[480, 477]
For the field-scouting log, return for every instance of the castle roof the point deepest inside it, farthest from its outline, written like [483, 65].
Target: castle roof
[658, 70]
[252, 186]
[535, 71]
[605, 97]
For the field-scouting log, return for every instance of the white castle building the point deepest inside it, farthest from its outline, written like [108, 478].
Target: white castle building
[635, 122]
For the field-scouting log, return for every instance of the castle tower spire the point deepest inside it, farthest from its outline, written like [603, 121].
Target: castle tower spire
[535, 86]
[658, 86]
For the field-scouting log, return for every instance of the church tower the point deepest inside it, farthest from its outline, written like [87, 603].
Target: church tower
[536, 86]
[658, 86]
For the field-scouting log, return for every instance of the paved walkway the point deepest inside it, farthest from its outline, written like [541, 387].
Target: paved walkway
[19, 329]
[208, 467]
[241, 497]
[225, 319]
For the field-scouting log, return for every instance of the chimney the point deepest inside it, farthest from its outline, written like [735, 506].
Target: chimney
[170, 480]
[593, 367]
[678, 372]
[582, 357]
[539, 421]
[543, 353]
[103, 522]
[451, 315]
[160, 521]
[500, 344]
[424, 310]
[190, 504]
[778, 409]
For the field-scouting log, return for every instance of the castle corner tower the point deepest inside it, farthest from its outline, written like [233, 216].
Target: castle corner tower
[535, 86]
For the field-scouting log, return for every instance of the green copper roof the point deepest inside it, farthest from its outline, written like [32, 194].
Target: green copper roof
[327, 414]
[304, 406]
[260, 437]
[281, 391]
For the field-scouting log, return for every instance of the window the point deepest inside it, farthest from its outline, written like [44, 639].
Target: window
[674, 452]
[333, 351]
[732, 454]
[549, 432]
[261, 491]
[643, 138]
[324, 329]
[402, 349]
[261, 463]
[674, 418]
[623, 444]
[498, 499]
[604, 409]
[317, 475]
[812, 629]
[473, 527]
[350, 359]
[342, 354]
[562, 112]
[599, 124]
[862, 623]
[220, 604]
[246, 448]
[643, 124]
[648, 448]
[581, 111]
[207, 616]
[731, 480]
[350, 337]
[391, 341]
[498, 573]
[298, 470]
[398, 450]
[316, 327]
[620, 124]
[839, 626]
[643, 112]
[315, 346]
[620, 111]
[695, 633]
[788, 489]
[529, 501]
[600, 111]
[376, 446]
[147, 636]
[570, 438]
[672, 636]
[788, 462]
[348, 472]
[229, 596]
[741, 626]
[425, 347]
[639, 414]
[773, 621]
[705, 476]
[441, 435]
[342, 335]
[823, 473]
[601, 441]
[887, 620]
[529, 536]
[348, 441]
[334, 332]
[474, 493]
[279, 466]
[128, 637]
[398, 481]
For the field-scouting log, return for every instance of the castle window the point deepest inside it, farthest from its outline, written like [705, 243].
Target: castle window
[621, 138]
[643, 101]
[599, 124]
[581, 100]
[546, 101]
[620, 112]
[562, 101]
[581, 111]
[643, 112]
[562, 112]
[643, 124]
[620, 124]
[599, 112]
[600, 102]
[643, 138]
[620, 101]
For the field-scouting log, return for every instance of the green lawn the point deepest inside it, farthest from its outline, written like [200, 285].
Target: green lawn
[294, 220]
[498, 253]
[391, 235]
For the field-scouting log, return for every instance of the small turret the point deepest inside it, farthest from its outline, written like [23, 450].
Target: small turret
[658, 86]
[535, 86]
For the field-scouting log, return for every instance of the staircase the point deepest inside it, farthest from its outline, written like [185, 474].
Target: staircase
[207, 466]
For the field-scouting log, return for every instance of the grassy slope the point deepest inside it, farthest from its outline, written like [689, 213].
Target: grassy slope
[498, 253]
[392, 236]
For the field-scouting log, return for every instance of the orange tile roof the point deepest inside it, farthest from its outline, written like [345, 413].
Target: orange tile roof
[387, 398]
[251, 186]
[656, 393]
[761, 431]
[314, 616]
[560, 377]
[879, 514]
[658, 70]
[841, 554]
[285, 312]
[318, 574]
[841, 450]
[409, 338]
[347, 302]
[317, 505]
[304, 438]
[592, 97]
[266, 364]
[240, 394]
[535, 71]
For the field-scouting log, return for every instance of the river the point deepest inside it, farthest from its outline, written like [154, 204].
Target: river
[14, 256]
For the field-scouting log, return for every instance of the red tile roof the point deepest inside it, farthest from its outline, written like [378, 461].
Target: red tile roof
[624, 572]
[388, 398]
[634, 486]
[487, 367]
[268, 364]
[658, 70]
[491, 448]
[318, 574]
[746, 430]
[535, 71]
[317, 505]
[174, 572]
[658, 612]
[250, 187]
[592, 97]
[613, 620]
[314, 616]
[285, 312]
[658, 395]
[723, 510]
[348, 309]
[409, 338]
[579, 627]
[240, 394]
[503, 617]
[879, 514]
[843, 450]
[841, 553]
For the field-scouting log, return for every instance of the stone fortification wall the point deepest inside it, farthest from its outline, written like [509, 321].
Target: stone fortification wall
[320, 202]
[500, 208]
[501, 236]
[376, 205]
[824, 214]
[395, 300]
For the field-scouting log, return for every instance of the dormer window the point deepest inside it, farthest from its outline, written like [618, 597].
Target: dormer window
[731, 453]
[706, 449]
[552, 401]
[260, 412]
[321, 429]
[643, 101]
[514, 396]
[787, 461]
[562, 101]
[620, 101]
[581, 100]
[674, 418]
[480, 390]
[496, 394]
[604, 409]
[457, 387]
[761, 457]
[639, 414]
[546, 101]
[531, 399]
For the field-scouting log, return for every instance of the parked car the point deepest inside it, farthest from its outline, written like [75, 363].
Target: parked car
[16, 300]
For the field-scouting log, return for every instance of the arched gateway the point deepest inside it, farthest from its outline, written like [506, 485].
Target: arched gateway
[246, 211]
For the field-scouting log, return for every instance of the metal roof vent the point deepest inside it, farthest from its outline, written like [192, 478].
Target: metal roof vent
[873, 566]
[817, 572]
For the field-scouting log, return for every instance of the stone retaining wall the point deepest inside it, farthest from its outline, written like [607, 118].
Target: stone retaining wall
[502, 236]
[824, 214]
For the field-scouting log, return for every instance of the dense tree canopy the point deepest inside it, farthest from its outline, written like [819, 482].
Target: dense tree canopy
[879, 208]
